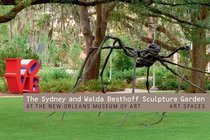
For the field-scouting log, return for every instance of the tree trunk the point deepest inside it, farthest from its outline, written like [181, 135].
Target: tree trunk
[101, 24]
[200, 61]
[102, 12]
[198, 54]
[86, 29]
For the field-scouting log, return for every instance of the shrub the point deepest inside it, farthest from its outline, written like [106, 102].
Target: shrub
[61, 86]
[56, 80]
[54, 74]
[127, 75]
[65, 85]
[166, 80]
[142, 84]
[95, 85]
[168, 84]
[3, 85]
[123, 75]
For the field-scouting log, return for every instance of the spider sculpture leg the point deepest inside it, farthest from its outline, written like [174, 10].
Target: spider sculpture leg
[134, 84]
[63, 116]
[167, 67]
[105, 63]
[101, 74]
[147, 81]
[190, 68]
[103, 68]
[127, 51]
[175, 51]
[161, 58]
[163, 61]
[163, 113]
[82, 73]
[50, 114]
[54, 113]
[154, 123]
[79, 78]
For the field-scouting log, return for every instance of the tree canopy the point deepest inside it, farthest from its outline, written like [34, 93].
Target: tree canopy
[179, 22]
[153, 6]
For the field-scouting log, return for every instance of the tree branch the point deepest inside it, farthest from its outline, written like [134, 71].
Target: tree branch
[150, 40]
[160, 29]
[77, 2]
[95, 2]
[181, 4]
[167, 33]
[158, 42]
[15, 10]
[19, 6]
[156, 11]
[109, 8]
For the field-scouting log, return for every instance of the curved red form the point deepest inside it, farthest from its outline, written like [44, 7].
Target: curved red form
[21, 75]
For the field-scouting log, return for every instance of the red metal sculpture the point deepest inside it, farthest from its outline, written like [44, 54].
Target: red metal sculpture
[21, 75]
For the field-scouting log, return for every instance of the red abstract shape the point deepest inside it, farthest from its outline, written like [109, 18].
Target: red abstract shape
[21, 75]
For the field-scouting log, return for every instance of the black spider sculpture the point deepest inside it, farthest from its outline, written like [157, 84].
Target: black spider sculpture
[142, 58]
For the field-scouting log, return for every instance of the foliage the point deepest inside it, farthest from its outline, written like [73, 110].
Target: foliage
[74, 55]
[55, 80]
[3, 85]
[141, 84]
[131, 19]
[47, 74]
[65, 86]
[43, 21]
[126, 75]
[58, 80]
[165, 80]
[55, 86]
[17, 47]
[208, 84]
[122, 62]
[114, 85]
[3, 33]
[52, 52]
[14, 53]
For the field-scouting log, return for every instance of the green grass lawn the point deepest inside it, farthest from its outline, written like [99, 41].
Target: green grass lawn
[17, 124]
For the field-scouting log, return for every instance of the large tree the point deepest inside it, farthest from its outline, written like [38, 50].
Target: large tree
[192, 16]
